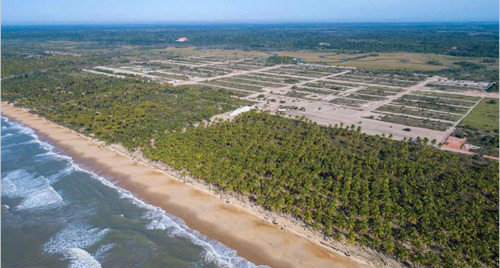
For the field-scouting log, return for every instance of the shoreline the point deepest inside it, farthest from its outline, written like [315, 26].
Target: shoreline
[260, 236]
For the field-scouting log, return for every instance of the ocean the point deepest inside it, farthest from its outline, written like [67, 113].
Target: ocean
[56, 214]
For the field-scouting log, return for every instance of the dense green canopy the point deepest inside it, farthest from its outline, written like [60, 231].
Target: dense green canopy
[421, 204]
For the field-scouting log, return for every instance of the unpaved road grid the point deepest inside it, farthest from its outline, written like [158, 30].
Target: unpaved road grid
[399, 106]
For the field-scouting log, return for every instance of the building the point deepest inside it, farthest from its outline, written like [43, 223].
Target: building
[182, 39]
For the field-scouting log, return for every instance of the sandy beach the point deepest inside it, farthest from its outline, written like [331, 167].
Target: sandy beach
[248, 230]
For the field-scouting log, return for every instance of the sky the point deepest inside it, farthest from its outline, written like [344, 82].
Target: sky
[265, 11]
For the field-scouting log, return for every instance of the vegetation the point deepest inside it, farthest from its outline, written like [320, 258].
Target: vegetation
[115, 110]
[25, 66]
[281, 60]
[457, 39]
[434, 62]
[480, 127]
[426, 206]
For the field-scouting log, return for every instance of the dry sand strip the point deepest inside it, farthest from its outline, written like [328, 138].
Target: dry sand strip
[258, 241]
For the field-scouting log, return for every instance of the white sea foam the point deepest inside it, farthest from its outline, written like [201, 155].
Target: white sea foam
[19, 144]
[156, 225]
[102, 251]
[71, 241]
[35, 192]
[7, 135]
[26, 130]
[45, 197]
[60, 174]
[79, 258]
[214, 251]
[75, 235]
[50, 155]
[20, 177]
[8, 188]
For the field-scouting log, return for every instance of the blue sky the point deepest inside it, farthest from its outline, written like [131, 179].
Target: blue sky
[157, 11]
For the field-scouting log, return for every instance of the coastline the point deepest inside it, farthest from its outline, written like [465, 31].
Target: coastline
[259, 236]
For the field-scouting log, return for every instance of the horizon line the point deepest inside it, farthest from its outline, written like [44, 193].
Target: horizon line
[82, 23]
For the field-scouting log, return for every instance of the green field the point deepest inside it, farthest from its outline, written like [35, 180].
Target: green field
[409, 61]
[484, 116]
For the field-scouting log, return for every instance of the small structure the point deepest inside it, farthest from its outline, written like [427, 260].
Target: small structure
[241, 110]
[324, 44]
[182, 39]
[147, 70]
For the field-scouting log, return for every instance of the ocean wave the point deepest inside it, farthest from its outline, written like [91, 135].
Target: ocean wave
[27, 131]
[41, 198]
[60, 174]
[8, 188]
[7, 135]
[214, 251]
[79, 258]
[35, 192]
[71, 241]
[18, 144]
[51, 155]
[102, 251]
[74, 235]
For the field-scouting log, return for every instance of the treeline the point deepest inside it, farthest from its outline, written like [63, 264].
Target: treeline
[423, 205]
[457, 39]
[115, 110]
[280, 60]
[29, 65]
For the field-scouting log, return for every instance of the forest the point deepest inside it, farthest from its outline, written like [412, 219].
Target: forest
[114, 110]
[425, 206]
[456, 39]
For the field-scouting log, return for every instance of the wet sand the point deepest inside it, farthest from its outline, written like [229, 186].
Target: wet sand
[256, 240]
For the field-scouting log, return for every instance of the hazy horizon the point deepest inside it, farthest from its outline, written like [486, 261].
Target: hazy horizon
[28, 12]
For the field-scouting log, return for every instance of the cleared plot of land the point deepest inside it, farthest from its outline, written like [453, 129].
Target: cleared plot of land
[323, 84]
[280, 77]
[446, 95]
[380, 101]
[377, 80]
[234, 85]
[268, 78]
[239, 79]
[419, 112]
[307, 71]
[364, 97]
[432, 105]
[348, 102]
[377, 92]
[415, 122]
[315, 90]
[440, 100]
